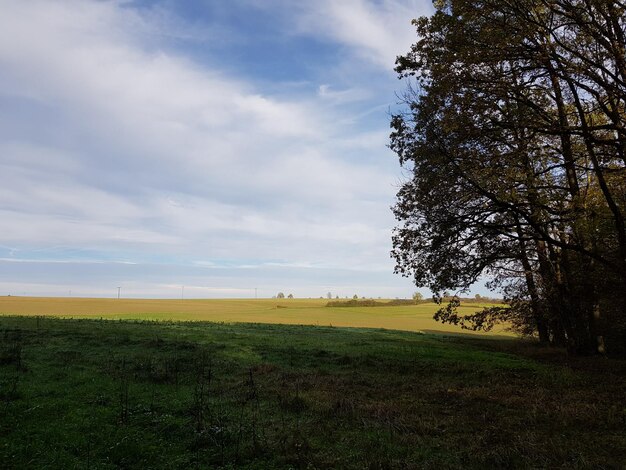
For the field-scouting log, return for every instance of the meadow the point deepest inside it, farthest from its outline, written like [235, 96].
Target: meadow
[122, 393]
[282, 311]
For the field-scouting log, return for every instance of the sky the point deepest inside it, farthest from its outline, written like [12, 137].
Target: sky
[220, 146]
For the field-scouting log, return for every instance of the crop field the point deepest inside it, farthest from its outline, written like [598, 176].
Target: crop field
[281, 311]
[106, 394]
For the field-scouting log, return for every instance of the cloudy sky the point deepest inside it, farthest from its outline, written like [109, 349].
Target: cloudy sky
[218, 145]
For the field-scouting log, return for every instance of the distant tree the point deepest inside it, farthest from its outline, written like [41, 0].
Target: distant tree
[290, 296]
[280, 295]
[336, 297]
[355, 297]
[418, 297]
[329, 295]
[478, 297]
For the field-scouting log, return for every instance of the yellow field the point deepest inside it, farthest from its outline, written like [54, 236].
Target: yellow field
[286, 311]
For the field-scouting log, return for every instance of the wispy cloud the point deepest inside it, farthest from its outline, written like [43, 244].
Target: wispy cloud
[377, 31]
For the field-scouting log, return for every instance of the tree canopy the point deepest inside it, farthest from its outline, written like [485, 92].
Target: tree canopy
[514, 136]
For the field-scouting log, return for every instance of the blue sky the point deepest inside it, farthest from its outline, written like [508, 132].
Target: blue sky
[218, 145]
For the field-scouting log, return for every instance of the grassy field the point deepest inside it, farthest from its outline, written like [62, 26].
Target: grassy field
[85, 393]
[283, 311]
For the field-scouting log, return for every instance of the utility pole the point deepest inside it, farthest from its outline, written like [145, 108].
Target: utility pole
[118, 292]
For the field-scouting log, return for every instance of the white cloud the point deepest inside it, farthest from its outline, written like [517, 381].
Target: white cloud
[377, 31]
[341, 97]
[113, 143]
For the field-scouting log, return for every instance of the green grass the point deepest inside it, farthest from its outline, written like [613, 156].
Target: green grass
[127, 394]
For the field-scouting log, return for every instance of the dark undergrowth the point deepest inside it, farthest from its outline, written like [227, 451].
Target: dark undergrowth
[109, 394]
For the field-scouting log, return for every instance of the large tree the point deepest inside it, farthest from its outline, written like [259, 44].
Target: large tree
[514, 134]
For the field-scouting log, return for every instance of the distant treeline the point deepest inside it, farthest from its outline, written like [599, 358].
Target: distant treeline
[404, 302]
[369, 303]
